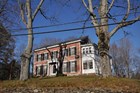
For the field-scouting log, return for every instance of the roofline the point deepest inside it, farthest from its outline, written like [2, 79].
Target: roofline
[56, 45]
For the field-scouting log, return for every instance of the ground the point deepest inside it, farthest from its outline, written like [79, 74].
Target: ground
[84, 81]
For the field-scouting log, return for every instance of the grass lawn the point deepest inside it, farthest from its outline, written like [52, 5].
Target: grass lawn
[86, 81]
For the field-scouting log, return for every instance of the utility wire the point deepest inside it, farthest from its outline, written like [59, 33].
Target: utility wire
[69, 30]
[74, 22]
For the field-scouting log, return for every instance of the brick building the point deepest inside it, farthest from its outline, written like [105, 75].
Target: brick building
[80, 56]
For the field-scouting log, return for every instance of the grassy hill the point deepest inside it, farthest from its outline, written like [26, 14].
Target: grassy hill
[86, 81]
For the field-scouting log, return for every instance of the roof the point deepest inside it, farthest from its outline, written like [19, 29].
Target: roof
[81, 39]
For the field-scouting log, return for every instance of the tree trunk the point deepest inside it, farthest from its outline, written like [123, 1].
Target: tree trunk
[103, 46]
[26, 57]
[60, 70]
[105, 65]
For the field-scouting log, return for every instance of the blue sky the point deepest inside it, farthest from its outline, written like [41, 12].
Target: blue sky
[69, 14]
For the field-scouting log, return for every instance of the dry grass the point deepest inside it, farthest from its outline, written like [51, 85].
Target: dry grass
[76, 82]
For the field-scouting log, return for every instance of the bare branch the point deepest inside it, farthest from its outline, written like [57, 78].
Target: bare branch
[123, 24]
[92, 15]
[37, 9]
[22, 13]
[110, 6]
[128, 11]
[123, 20]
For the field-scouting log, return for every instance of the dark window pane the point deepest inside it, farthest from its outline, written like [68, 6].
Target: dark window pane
[85, 65]
[90, 64]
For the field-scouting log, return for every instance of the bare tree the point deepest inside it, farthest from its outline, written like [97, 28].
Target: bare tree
[122, 58]
[61, 56]
[27, 16]
[103, 10]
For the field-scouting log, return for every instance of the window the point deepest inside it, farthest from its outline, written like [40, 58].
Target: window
[65, 52]
[55, 54]
[86, 50]
[73, 51]
[88, 64]
[46, 56]
[39, 57]
[90, 50]
[38, 70]
[42, 57]
[85, 65]
[64, 67]
[68, 66]
[83, 50]
[73, 66]
[45, 70]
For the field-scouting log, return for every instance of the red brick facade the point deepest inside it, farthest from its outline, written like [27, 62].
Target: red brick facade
[77, 58]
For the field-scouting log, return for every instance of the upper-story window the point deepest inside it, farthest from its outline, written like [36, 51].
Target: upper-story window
[90, 51]
[83, 50]
[72, 51]
[46, 56]
[42, 57]
[65, 52]
[36, 57]
[54, 54]
[39, 57]
[86, 50]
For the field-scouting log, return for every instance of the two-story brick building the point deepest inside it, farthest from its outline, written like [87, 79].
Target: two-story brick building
[80, 57]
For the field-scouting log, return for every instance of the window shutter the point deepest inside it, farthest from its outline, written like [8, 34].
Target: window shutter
[69, 51]
[75, 50]
[36, 57]
[75, 66]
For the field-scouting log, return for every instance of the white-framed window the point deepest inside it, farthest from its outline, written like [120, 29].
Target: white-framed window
[88, 64]
[72, 51]
[39, 57]
[64, 67]
[73, 66]
[46, 56]
[45, 70]
[54, 54]
[38, 70]
[42, 57]
[85, 65]
[65, 52]
[90, 50]
[86, 50]
[83, 50]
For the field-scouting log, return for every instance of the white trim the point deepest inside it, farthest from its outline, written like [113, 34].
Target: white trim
[57, 45]
[86, 45]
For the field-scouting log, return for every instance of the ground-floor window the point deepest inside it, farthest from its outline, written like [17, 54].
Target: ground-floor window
[38, 70]
[69, 66]
[88, 64]
[45, 70]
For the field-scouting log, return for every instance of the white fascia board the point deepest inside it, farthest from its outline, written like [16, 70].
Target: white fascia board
[39, 49]
[86, 45]
[57, 45]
